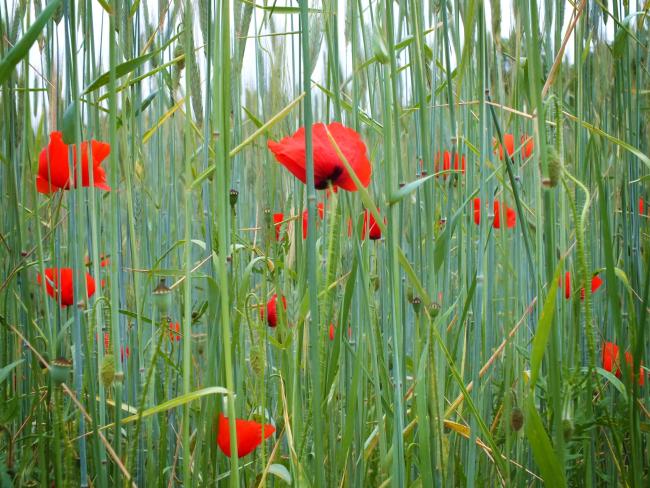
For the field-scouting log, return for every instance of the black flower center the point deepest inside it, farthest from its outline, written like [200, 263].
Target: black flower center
[333, 176]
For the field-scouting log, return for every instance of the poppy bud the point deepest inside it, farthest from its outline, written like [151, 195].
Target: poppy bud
[258, 363]
[434, 309]
[234, 195]
[516, 419]
[379, 47]
[567, 429]
[60, 370]
[417, 304]
[179, 51]
[107, 372]
[162, 296]
[554, 168]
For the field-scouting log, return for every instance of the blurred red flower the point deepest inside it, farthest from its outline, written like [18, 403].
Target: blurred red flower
[328, 167]
[370, 226]
[174, 331]
[250, 434]
[321, 213]
[446, 163]
[54, 169]
[525, 141]
[511, 216]
[271, 310]
[277, 223]
[611, 361]
[64, 276]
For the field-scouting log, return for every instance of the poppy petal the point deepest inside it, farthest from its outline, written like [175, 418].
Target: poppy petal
[53, 166]
[250, 434]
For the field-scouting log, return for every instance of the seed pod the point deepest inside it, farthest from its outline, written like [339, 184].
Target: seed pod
[234, 195]
[162, 296]
[60, 370]
[417, 304]
[516, 419]
[107, 372]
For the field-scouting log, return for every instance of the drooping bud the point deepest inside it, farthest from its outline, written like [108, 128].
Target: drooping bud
[107, 372]
[516, 419]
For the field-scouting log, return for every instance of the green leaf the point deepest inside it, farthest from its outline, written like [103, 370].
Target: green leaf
[21, 48]
[544, 327]
[120, 70]
[540, 443]
[4, 372]
[173, 403]
[622, 34]
[407, 189]
[281, 472]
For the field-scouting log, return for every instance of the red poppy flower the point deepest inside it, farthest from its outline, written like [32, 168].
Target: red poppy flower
[446, 163]
[277, 223]
[641, 206]
[54, 169]
[511, 216]
[250, 434]
[328, 167]
[332, 332]
[611, 361]
[596, 282]
[174, 327]
[370, 226]
[64, 276]
[271, 310]
[305, 216]
[610, 357]
[525, 141]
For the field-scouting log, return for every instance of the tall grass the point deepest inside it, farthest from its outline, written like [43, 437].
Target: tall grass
[456, 358]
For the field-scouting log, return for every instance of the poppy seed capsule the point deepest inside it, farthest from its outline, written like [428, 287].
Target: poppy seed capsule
[516, 419]
[60, 370]
[417, 304]
[162, 296]
[234, 195]
[107, 372]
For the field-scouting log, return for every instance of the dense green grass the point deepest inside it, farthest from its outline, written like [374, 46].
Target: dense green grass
[456, 358]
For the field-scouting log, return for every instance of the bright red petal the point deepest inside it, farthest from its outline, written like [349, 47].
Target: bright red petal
[100, 150]
[596, 282]
[511, 217]
[528, 146]
[277, 222]
[610, 357]
[250, 434]
[497, 215]
[567, 285]
[477, 211]
[53, 168]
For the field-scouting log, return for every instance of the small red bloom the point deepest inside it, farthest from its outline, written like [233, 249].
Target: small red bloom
[328, 167]
[611, 361]
[370, 226]
[610, 358]
[305, 217]
[641, 206]
[511, 216]
[54, 169]
[277, 222]
[174, 327]
[567, 285]
[526, 142]
[446, 163]
[64, 276]
[250, 434]
[332, 332]
[271, 310]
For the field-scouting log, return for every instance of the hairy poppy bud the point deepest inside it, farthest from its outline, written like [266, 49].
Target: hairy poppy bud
[107, 372]
[554, 162]
[379, 47]
[567, 429]
[516, 419]
[179, 51]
